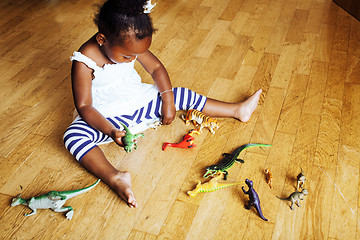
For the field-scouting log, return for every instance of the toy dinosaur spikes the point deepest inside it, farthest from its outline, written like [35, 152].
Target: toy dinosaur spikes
[210, 186]
[53, 200]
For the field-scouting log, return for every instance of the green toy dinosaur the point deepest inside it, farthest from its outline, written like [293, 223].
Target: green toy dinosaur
[229, 159]
[130, 140]
[53, 200]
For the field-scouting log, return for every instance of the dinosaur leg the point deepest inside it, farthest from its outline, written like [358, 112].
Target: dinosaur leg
[139, 135]
[69, 209]
[249, 205]
[292, 205]
[225, 175]
[32, 213]
[211, 130]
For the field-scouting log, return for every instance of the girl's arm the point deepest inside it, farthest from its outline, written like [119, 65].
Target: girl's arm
[81, 77]
[161, 78]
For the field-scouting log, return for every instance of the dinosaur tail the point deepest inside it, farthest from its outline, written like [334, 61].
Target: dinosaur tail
[221, 185]
[73, 193]
[254, 145]
[165, 145]
[258, 209]
[125, 127]
[286, 199]
[245, 146]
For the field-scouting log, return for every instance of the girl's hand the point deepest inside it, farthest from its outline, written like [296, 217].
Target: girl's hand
[168, 112]
[116, 135]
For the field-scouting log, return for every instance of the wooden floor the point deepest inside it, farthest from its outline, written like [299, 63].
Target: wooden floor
[304, 54]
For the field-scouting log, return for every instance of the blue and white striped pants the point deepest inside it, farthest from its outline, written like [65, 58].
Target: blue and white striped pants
[80, 138]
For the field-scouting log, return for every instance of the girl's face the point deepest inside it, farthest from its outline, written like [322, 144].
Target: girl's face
[131, 48]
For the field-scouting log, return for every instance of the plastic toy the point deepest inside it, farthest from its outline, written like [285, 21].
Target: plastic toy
[254, 199]
[154, 125]
[269, 177]
[53, 200]
[199, 118]
[229, 159]
[130, 140]
[300, 180]
[210, 186]
[187, 141]
[295, 197]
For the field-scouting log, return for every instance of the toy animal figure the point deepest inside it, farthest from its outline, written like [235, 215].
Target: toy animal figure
[269, 177]
[199, 118]
[154, 125]
[229, 159]
[210, 186]
[295, 197]
[130, 140]
[300, 180]
[187, 141]
[254, 200]
[53, 200]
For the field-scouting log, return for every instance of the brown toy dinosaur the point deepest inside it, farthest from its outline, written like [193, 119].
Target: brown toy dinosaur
[300, 180]
[269, 177]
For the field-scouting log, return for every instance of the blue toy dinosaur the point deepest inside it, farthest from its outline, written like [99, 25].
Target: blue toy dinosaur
[254, 199]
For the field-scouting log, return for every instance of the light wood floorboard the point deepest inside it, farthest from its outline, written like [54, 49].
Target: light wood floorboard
[304, 54]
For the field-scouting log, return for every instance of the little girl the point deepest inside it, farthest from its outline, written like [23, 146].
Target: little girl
[107, 90]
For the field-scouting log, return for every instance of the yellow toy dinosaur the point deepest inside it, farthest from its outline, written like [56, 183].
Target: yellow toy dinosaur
[210, 186]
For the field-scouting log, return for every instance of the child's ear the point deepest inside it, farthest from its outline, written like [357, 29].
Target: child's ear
[100, 38]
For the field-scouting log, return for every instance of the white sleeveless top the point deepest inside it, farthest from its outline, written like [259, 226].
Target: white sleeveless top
[117, 88]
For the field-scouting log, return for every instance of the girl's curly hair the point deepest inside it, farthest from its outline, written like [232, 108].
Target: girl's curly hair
[116, 19]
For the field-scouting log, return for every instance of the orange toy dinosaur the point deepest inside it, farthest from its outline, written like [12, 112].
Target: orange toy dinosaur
[187, 141]
[269, 177]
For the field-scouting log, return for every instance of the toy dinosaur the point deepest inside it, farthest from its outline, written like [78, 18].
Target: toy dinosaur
[154, 125]
[295, 197]
[300, 180]
[130, 140]
[269, 177]
[254, 200]
[229, 159]
[211, 186]
[199, 118]
[187, 141]
[53, 200]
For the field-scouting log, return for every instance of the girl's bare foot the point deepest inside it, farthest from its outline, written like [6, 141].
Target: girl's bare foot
[246, 108]
[122, 186]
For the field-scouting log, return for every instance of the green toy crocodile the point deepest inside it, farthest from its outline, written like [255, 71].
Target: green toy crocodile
[53, 200]
[229, 159]
[130, 140]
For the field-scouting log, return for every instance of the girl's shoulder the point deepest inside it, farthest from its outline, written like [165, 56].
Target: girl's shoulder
[92, 50]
